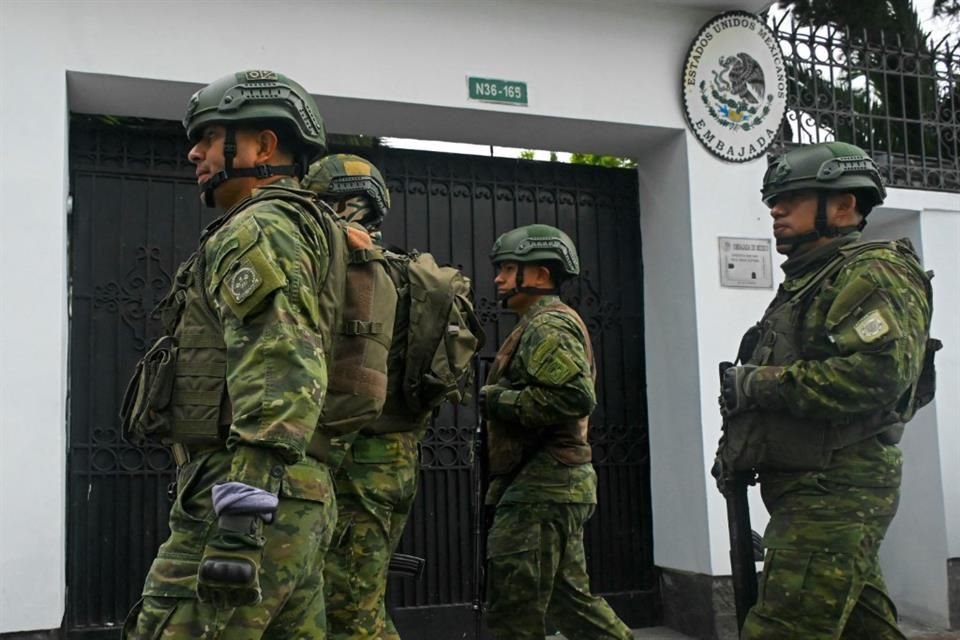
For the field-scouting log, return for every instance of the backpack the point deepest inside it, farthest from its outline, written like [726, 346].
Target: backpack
[357, 375]
[363, 326]
[443, 334]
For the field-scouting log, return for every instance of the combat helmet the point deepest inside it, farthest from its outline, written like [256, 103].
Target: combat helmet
[343, 175]
[827, 167]
[537, 243]
[256, 96]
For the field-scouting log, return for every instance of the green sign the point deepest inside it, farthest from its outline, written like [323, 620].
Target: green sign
[502, 91]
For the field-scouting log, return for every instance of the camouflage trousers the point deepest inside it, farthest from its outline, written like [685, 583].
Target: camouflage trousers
[537, 575]
[291, 574]
[376, 486]
[822, 577]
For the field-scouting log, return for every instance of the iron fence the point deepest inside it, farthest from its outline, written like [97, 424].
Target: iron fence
[895, 95]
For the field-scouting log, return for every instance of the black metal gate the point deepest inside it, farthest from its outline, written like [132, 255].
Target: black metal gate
[136, 215]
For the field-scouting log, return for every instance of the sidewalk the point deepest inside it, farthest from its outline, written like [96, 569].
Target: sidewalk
[913, 631]
[917, 631]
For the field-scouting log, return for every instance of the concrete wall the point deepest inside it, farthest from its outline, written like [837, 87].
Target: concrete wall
[926, 531]
[603, 77]
[33, 332]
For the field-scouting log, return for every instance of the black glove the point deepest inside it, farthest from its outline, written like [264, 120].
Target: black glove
[719, 474]
[735, 395]
[487, 397]
[229, 574]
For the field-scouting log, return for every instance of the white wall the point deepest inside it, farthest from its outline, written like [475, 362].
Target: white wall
[33, 325]
[926, 530]
[602, 76]
[691, 325]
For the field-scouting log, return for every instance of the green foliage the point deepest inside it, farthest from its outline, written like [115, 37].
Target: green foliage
[526, 154]
[350, 141]
[869, 14]
[947, 8]
[878, 105]
[611, 162]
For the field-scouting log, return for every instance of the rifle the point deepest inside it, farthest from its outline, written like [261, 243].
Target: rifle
[733, 485]
[406, 566]
[480, 482]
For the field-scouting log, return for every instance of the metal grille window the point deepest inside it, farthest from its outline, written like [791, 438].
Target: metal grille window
[893, 95]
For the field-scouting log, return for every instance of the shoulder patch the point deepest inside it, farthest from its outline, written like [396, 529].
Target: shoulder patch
[871, 327]
[550, 363]
[244, 281]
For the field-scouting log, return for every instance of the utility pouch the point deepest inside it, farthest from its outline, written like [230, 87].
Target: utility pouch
[749, 343]
[760, 440]
[927, 382]
[147, 412]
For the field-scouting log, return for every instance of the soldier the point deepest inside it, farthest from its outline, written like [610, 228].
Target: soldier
[537, 401]
[828, 378]
[377, 480]
[237, 384]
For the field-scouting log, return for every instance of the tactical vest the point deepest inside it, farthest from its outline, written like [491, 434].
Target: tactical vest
[178, 392]
[510, 445]
[777, 440]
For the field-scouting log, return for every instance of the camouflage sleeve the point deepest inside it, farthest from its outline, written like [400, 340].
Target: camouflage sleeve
[878, 323]
[262, 276]
[557, 383]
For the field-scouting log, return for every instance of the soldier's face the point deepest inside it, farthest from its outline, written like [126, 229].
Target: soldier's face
[207, 155]
[506, 282]
[506, 276]
[793, 214]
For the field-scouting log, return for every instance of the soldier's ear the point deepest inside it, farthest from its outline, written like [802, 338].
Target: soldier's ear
[268, 145]
[544, 277]
[845, 209]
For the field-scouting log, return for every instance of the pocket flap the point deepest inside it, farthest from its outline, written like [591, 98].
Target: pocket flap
[308, 480]
[814, 536]
[849, 300]
[242, 237]
[508, 541]
[172, 578]
[382, 450]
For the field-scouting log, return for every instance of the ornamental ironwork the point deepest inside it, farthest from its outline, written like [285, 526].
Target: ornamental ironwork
[137, 215]
[896, 96]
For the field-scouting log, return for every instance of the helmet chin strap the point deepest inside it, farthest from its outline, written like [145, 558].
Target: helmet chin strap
[259, 171]
[820, 228]
[519, 288]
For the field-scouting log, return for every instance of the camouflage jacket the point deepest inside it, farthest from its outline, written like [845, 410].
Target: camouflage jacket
[548, 381]
[264, 269]
[862, 340]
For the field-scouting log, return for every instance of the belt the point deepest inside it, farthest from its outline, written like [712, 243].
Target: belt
[184, 453]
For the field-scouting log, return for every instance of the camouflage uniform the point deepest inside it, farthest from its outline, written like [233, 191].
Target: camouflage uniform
[821, 406]
[543, 490]
[375, 471]
[821, 573]
[376, 486]
[274, 416]
[250, 313]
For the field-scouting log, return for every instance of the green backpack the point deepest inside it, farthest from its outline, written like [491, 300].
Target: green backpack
[357, 387]
[443, 334]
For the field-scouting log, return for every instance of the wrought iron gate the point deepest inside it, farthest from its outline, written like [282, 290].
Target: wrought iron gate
[136, 215]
